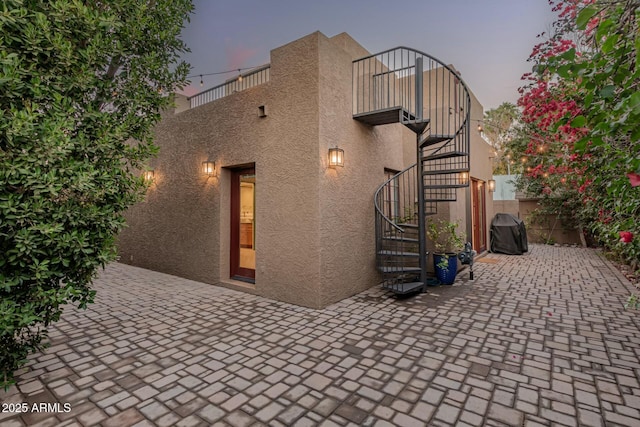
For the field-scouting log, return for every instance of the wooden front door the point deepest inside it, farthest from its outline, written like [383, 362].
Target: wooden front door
[479, 213]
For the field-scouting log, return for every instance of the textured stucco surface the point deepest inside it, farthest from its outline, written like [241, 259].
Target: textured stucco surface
[315, 240]
[481, 159]
[183, 226]
[548, 229]
[288, 248]
[347, 230]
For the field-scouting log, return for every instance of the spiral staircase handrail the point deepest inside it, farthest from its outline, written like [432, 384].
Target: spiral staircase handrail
[376, 197]
[451, 70]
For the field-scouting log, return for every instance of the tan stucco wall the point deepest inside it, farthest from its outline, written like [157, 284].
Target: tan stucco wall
[183, 227]
[347, 232]
[548, 229]
[181, 103]
[507, 206]
[288, 246]
[481, 160]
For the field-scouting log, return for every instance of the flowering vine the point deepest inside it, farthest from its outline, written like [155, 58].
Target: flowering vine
[580, 112]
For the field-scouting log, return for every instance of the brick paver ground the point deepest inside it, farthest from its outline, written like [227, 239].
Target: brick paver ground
[536, 340]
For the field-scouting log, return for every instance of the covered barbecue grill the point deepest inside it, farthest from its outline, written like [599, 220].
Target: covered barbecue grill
[508, 235]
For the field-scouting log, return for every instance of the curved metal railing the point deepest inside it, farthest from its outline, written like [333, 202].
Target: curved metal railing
[392, 79]
[396, 222]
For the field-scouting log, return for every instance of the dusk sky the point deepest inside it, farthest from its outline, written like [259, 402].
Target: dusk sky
[488, 41]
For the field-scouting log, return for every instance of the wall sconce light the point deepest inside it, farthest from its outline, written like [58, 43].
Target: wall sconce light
[480, 127]
[209, 168]
[336, 157]
[464, 177]
[492, 185]
[148, 176]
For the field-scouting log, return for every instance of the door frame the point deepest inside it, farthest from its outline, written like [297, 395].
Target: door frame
[237, 272]
[479, 215]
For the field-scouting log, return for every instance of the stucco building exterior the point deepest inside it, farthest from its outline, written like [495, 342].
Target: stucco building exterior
[276, 220]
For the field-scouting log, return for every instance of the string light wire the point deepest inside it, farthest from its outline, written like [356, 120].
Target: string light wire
[238, 70]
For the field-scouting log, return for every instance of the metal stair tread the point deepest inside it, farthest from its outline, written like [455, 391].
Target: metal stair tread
[444, 186]
[417, 126]
[407, 225]
[434, 139]
[441, 200]
[386, 269]
[444, 172]
[401, 238]
[381, 116]
[445, 155]
[399, 253]
[404, 288]
[384, 116]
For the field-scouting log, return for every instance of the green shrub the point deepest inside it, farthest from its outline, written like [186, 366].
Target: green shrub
[82, 85]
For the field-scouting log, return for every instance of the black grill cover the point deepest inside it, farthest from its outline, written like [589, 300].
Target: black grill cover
[508, 235]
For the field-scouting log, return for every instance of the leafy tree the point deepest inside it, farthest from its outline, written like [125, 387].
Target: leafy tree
[82, 84]
[500, 126]
[608, 84]
[581, 109]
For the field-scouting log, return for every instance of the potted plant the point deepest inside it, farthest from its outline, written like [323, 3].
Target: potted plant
[447, 244]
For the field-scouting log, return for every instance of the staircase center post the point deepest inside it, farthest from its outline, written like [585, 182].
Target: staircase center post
[419, 71]
[422, 236]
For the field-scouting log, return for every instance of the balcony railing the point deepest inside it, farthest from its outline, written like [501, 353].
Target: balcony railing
[253, 78]
[407, 82]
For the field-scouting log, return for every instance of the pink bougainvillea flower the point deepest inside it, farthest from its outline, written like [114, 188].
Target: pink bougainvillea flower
[626, 236]
[634, 179]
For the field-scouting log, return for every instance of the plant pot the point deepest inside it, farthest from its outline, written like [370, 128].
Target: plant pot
[446, 275]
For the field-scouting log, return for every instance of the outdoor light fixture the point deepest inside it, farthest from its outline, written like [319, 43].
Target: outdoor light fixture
[479, 127]
[209, 168]
[464, 177]
[148, 175]
[492, 185]
[336, 157]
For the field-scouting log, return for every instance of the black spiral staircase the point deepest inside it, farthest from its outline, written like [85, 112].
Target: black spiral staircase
[406, 86]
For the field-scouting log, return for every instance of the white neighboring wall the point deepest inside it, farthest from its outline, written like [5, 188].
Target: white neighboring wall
[505, 187]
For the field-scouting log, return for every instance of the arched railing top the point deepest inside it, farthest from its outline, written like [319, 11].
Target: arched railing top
[409, 86]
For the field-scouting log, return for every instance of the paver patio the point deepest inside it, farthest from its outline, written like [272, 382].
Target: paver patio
[539, 339]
